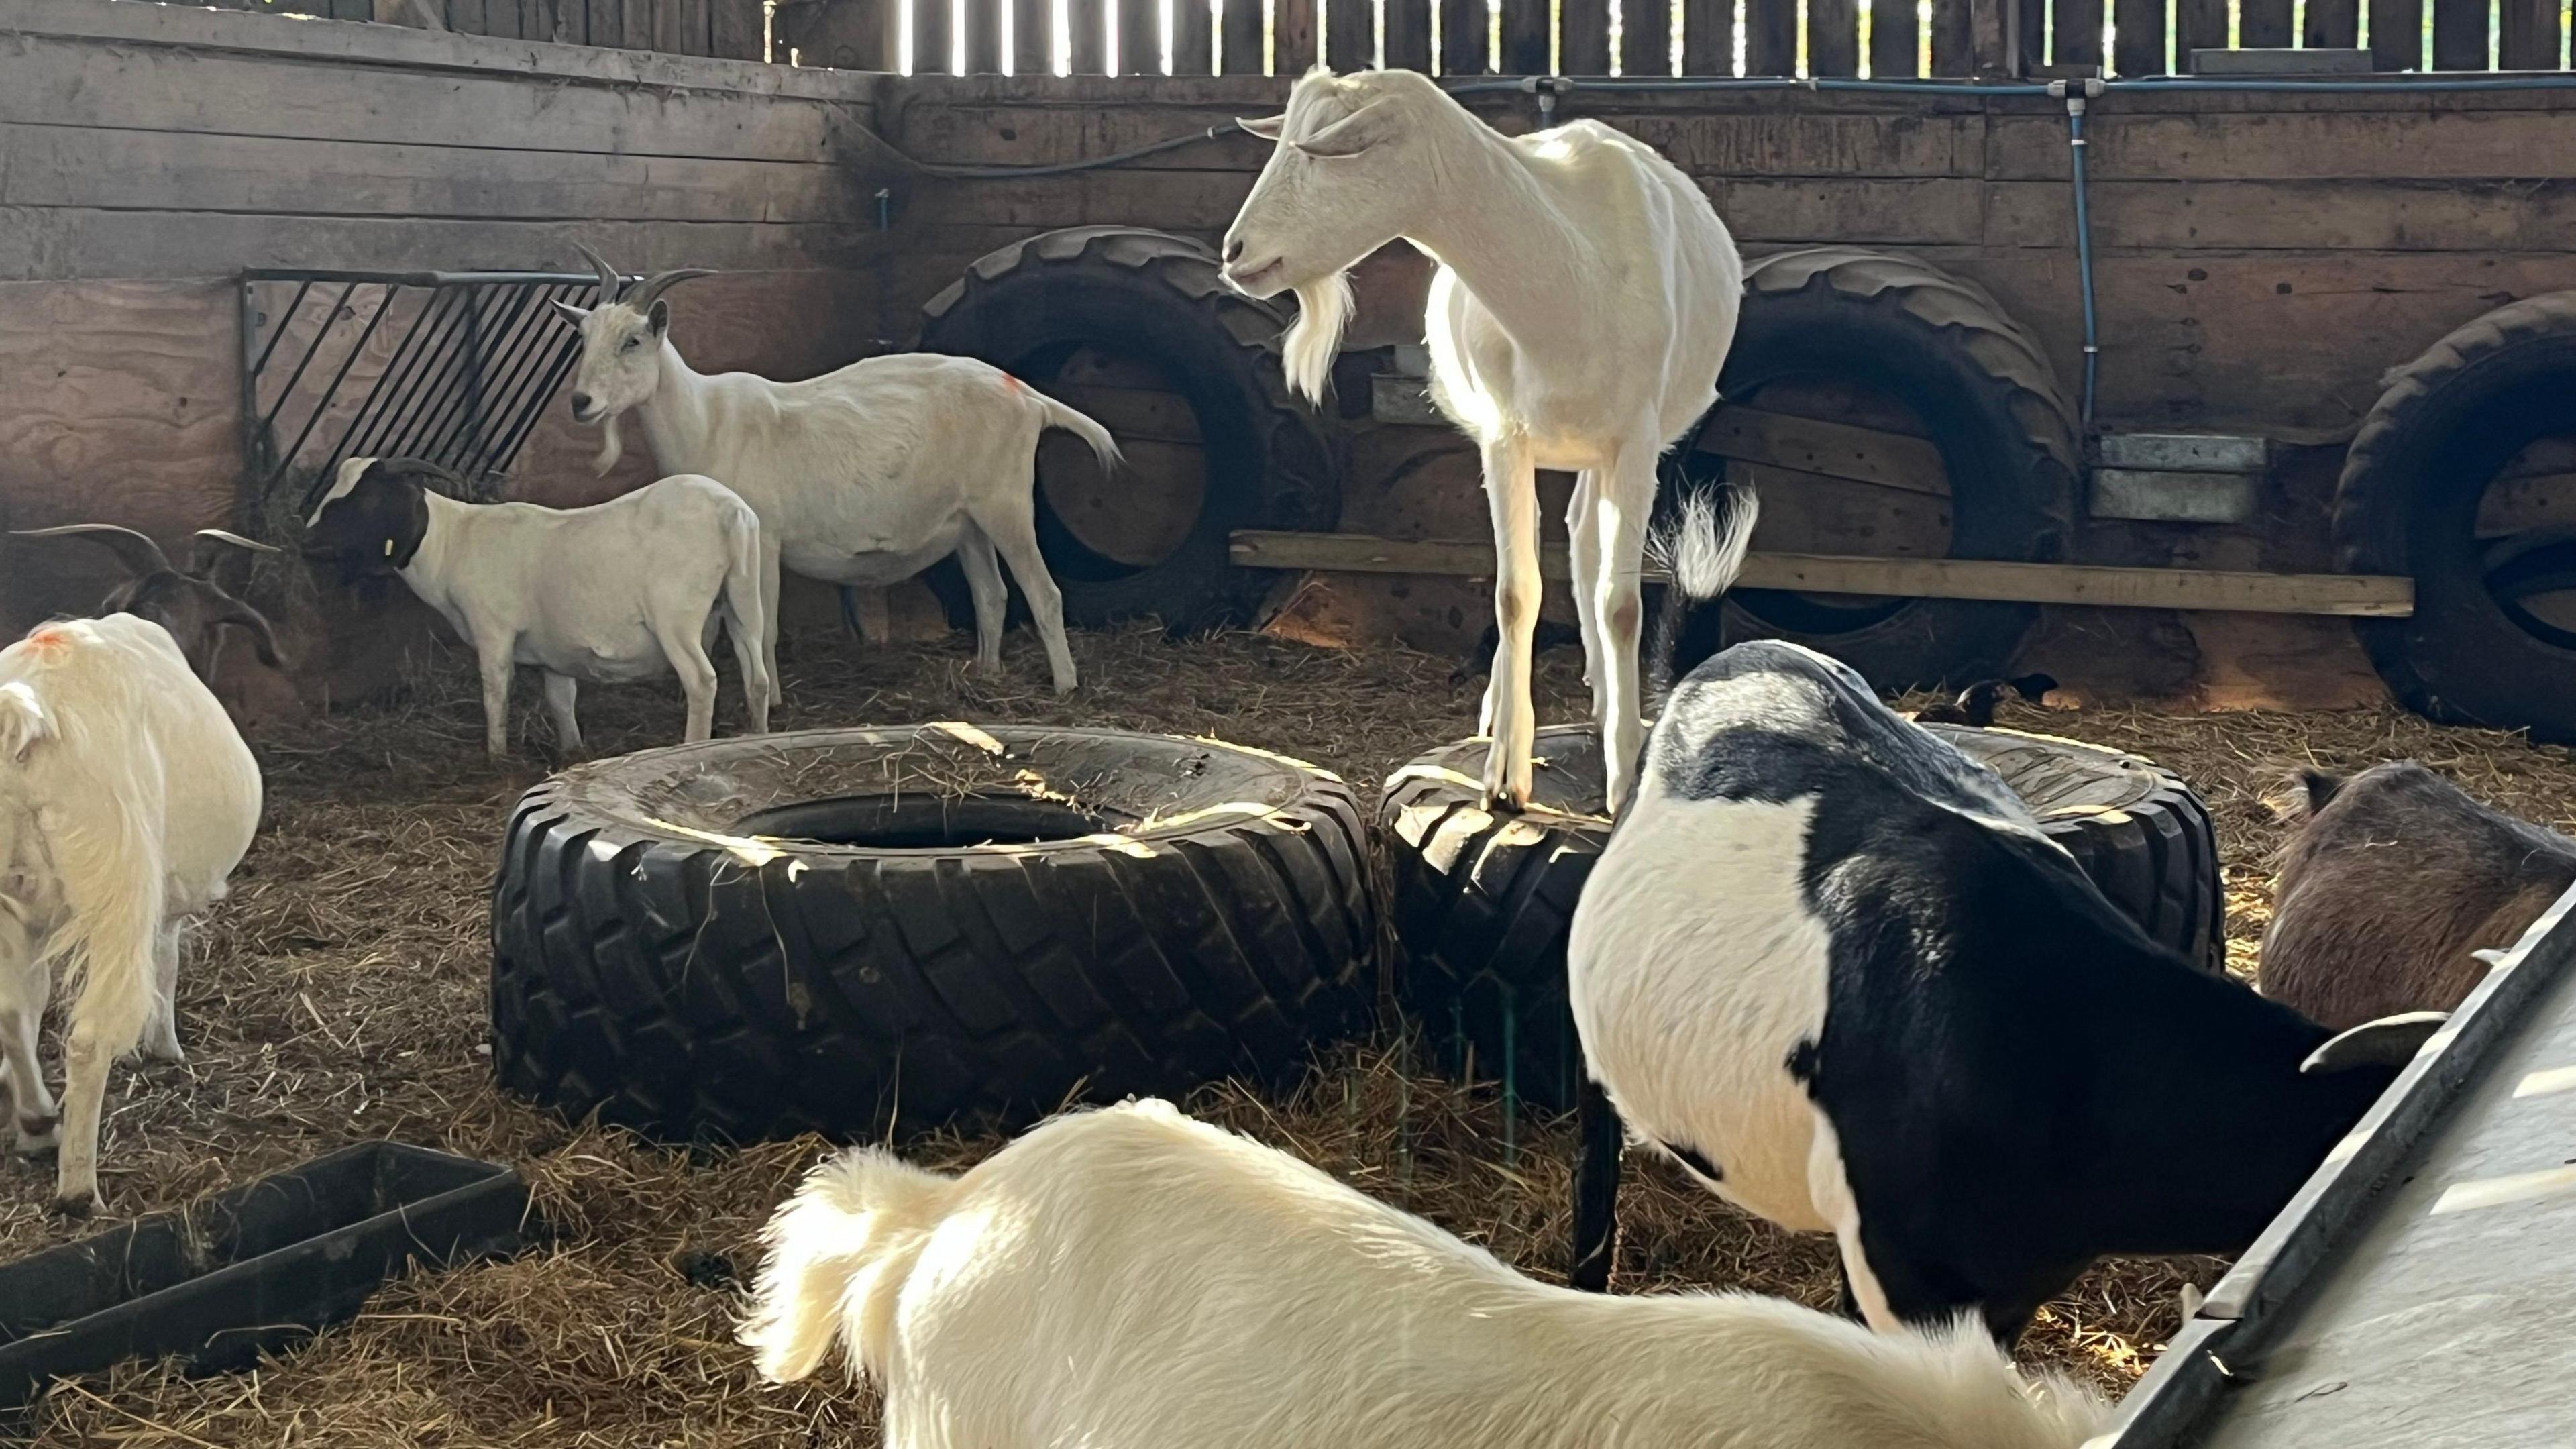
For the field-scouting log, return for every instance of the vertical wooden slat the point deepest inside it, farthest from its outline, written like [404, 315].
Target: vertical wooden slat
[1646, 37]
[1895, 39]
[2396, 34]
[2140, 46]
[1087, 34]
[1193, 38]
[501, 18]
[1953, 38]
[2033, 35]
[1292, 37]
[2077, 35]
[2459, 34]
[1239, 37]
[636, 27]
[1408, 35]
[465, 17]
[1770, 37]
[979, 40]
[933, 37]
[1032, 37]
[1463, 38]
[666, 25]
[2332, 25]
[1708, 37]
[1525, 37]
[1350, 34]
[2198, 25]
[2263, 23]
[1140, 37]
[741, 29]
[1994, 39]
[1833, 38]
[2528, 38]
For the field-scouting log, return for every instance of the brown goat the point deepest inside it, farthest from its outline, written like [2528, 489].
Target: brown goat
[2394, 880]
[191, 605]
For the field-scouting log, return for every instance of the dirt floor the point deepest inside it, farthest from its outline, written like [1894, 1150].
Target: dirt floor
[339, 995]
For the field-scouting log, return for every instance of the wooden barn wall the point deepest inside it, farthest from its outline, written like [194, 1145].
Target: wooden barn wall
[2260, 261]
[149, 153]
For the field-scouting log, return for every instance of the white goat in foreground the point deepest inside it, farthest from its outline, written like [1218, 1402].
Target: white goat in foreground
[1584, 302]
[619, 591]
[1131, 1277]
[126, 799]
[862, 477]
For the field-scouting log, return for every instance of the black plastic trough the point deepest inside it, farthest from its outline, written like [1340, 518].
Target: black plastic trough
[252, 1269]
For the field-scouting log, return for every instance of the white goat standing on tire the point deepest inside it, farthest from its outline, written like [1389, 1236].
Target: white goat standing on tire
[862, 477]
[126, 799]
[1584, 302]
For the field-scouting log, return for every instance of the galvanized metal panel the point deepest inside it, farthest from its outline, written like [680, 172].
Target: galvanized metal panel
[2187, 452]
[2163, 496]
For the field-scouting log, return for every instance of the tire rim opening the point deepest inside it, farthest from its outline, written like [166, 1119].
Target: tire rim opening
[2526, 539]
[1095, 527]
[925, 821]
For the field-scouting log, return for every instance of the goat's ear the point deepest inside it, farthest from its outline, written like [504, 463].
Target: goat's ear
[2320, 788]
[570, 313]
[1350, 135]
[263, 640]
[1266, 127]
[2391, 1041]
[659, 319]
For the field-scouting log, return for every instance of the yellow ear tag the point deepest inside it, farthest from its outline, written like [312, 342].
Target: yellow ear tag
[389, 548]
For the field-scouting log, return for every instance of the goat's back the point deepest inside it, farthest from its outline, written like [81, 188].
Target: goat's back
[1132, 1277]
[2386, 890]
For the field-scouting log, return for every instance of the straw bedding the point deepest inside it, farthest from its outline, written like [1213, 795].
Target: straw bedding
[339, 995]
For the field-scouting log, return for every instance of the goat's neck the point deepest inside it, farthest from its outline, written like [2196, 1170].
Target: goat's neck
[1490, 216]
[432, 570]
[677, 424]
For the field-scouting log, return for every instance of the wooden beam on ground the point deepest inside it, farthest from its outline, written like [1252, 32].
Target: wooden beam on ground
[2096, 585]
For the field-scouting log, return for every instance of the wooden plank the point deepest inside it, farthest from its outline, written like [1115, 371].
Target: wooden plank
[1087, 28]
[1895, 39]
[1193, 38]
[1525, 47]
[2397, 34]
[2528, 38]
[1241, 37]
[1032, 37]
[1465, 39]
[2139, 49]
[465, 17]
[1829, 449]
[2091, 585]
[1408, 35]
[2198, 25]
[2263, 23]
[2075, 37]
[979, 43]
[737, 26]
[665, 27]
[1350, 34]
[1646, 36]
[2332, 25]
[1140, 37]
[638, 25]
[1770, 37]
[2459, 34]
[1953, 38]
[1833, 38]
[604, 22]
[1814, 515]
[1292, 37]
[2388, 147]
[934, 36]
[2031, 34]
[500, 19]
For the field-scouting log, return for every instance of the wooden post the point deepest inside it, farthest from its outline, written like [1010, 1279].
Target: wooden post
[933, 52]
[981, 44]
[1953, 44]
[1350, 35]
[1994, 39]
[1525, 36]
[1140, 38]
[1646, 36]
[1771, 35]
[2397, 34]
[2079, 32]
[1239, 32]
[1292, 37]
[1895, 41]
[1193, 38]
[2529, 39]
[1087, 23]
[2139, 49]
[1032, 37]
[2459, 35]
[1833, 38]
[1408, 35]
[1464, 38]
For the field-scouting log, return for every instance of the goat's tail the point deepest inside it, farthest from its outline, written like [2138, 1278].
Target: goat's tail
[746, 619]
[1702, 550]
[839, 1252]
[1080, 424]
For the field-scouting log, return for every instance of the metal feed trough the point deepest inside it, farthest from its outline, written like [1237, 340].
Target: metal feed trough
[2420, 1291]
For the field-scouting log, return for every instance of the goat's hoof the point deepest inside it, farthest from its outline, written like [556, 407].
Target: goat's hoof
[39, 1136]
[75, 1205]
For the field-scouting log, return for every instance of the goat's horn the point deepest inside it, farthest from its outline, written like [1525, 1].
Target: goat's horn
[139, 554]
[212, 543]
[609, 282]
[654, 286]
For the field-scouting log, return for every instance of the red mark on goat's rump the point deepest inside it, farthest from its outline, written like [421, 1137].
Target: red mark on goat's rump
[50, 641]
[1014, 384]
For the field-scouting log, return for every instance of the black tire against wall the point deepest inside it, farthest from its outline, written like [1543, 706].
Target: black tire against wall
[1989, 401]
[2408, 504]
[1482, 901]
[1153, 295]
[1196, 911]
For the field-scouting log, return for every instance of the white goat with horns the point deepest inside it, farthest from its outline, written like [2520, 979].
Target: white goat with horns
[1585, 298]
[863, 477]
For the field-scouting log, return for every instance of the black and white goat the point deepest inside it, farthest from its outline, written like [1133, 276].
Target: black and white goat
[1132, 1277]
[190, 604]
[1833, 967]
[622, 590]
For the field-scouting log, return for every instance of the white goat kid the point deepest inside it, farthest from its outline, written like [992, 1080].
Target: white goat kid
[1131, 1277]
[862, 477]
[1584, 302]
[618, 591]
[126, 799]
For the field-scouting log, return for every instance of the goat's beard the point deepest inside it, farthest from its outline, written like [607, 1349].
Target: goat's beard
[610, 448]
[1323, 310]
